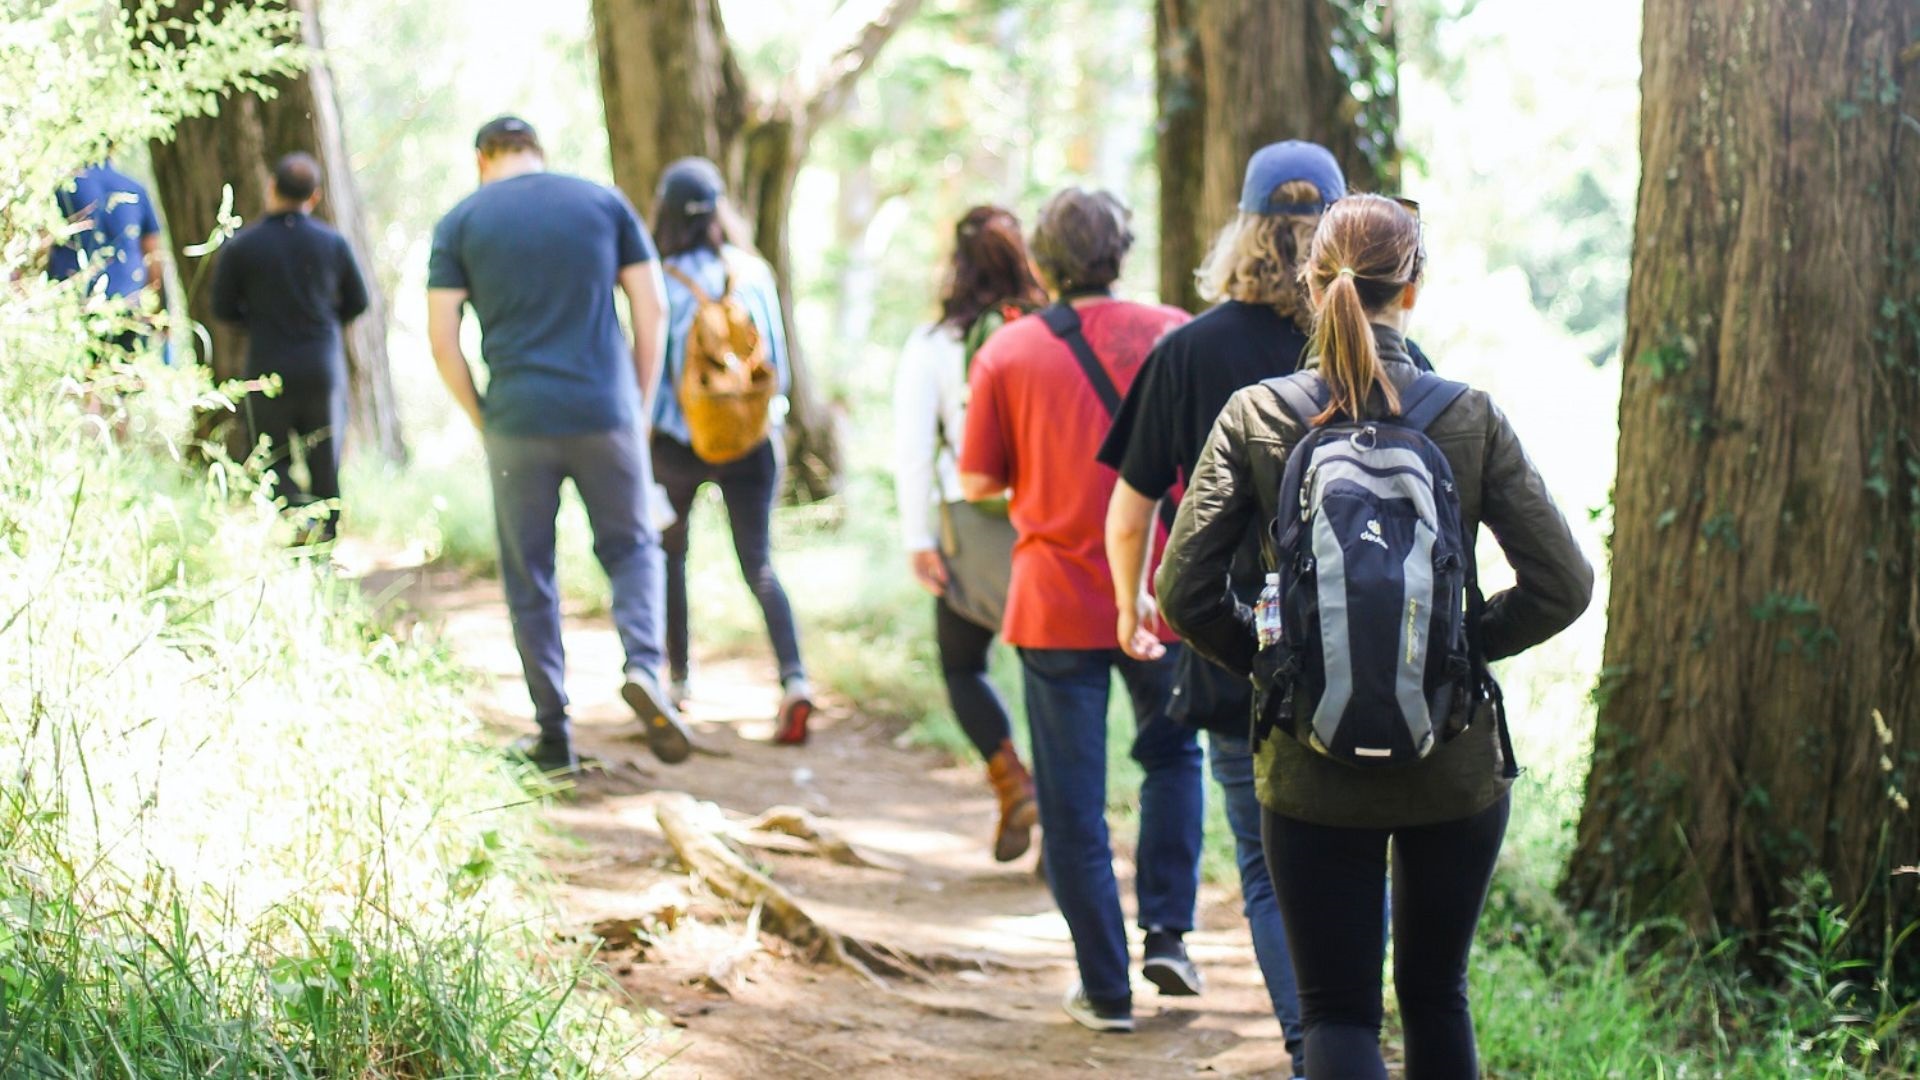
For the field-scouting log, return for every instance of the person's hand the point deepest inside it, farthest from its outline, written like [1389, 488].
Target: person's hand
[1139, 623]
[929, 570]
[479, 419]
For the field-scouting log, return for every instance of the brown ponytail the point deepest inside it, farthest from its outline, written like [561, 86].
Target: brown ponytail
[1364, 255]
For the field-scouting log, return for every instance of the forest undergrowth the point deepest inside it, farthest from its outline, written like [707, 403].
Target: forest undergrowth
[245, 830]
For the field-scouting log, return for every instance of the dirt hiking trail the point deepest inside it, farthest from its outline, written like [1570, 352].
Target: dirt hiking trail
[993, 953]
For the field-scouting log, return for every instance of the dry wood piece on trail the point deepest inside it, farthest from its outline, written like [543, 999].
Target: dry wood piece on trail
[791, 829]
[710, 860]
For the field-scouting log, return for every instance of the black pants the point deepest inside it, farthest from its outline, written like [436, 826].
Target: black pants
[963, 646]
[749, 487]
[314, 414]
[1331, 882]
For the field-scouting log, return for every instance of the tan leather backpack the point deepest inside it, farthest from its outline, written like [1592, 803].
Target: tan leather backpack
[727, 380]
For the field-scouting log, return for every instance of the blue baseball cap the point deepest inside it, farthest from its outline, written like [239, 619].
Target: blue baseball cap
[1277, 164]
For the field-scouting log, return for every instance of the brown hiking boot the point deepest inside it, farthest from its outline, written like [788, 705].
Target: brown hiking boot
[1018, 812]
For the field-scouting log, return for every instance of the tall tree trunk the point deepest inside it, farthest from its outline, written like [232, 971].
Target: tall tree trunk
[1766, 547]
[307, 114]
[235, 148]
[1262, 71]
[672, 88]
[1179, 152]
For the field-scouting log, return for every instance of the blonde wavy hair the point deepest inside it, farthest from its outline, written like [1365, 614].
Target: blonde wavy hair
[1256, 258]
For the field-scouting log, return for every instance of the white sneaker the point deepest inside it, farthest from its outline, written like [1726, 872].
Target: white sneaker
[1094, 1017]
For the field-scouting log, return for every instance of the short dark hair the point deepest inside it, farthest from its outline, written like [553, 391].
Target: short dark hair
[296, 176]
[1081, 239]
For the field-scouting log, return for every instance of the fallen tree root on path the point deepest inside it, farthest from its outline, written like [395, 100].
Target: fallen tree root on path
[795, 831]
[712, 861]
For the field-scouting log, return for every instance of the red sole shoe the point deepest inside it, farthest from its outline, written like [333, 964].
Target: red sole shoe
[792, 727]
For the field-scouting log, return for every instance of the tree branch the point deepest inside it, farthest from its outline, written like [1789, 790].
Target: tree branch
[833, 61]
[733, 106]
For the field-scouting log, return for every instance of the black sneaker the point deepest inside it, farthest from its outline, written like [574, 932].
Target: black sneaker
[552, 756]
[1168, 967]
[667, 737]
[1110, 1017]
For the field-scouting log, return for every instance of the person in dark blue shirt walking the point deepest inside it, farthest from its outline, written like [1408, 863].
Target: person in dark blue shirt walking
[291, 282]
[114, 238]
[538, 255]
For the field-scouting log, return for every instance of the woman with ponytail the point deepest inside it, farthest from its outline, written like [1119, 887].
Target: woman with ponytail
[1328, 823]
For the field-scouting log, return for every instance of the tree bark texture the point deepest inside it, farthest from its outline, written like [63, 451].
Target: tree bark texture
[672, 88]
[1180, 149]
[235, 148]
[1233, 76]
[1766, 555]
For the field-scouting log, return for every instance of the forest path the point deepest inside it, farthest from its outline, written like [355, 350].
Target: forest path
[748, 1006]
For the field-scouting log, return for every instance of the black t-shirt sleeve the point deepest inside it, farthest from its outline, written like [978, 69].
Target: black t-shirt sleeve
[353, 287]
[1141, 442]
[635, 243]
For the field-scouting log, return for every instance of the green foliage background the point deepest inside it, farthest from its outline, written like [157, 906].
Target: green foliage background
[244, 831]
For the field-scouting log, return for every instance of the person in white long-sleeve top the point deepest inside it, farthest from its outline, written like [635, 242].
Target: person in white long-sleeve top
[959, 551]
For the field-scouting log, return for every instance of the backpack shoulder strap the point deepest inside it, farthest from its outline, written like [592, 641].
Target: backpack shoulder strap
[1426, 398]
[1065, 324]
[699, 294]
[1304, 394]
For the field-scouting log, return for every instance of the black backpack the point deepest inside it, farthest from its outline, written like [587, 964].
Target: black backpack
[1379, 661]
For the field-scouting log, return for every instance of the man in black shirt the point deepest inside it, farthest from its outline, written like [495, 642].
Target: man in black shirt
[292, 282]
[1258, 329]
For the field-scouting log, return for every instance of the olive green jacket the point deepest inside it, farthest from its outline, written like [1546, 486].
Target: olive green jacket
[1234, 492]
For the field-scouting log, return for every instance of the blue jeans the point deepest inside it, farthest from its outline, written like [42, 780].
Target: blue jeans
[1067, 692]
[1231, 760]
[611, 472]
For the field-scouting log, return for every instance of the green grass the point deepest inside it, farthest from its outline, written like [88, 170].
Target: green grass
[247, 831]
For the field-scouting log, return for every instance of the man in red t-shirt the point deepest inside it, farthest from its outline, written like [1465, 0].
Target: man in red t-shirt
[1042, 394]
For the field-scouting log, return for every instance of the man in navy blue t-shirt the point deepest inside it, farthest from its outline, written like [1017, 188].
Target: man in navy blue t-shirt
[538, 256]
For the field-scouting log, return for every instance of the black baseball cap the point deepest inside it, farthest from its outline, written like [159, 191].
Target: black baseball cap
[505, 129]
[692, 187]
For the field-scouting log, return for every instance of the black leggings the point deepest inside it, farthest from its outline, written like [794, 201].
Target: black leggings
[1330, 883]
[963, 648]
[749, 487]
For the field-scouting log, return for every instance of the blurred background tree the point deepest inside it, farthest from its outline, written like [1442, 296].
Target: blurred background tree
[1235, 75]
[672, 88]
[220, 164]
